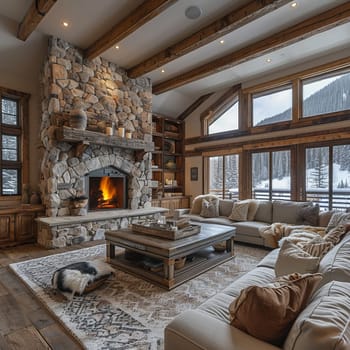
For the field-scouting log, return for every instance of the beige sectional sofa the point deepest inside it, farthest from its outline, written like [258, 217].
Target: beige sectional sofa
[322, 325]
[267, 212]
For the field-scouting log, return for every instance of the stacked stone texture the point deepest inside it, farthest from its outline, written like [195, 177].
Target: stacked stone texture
[109, 97]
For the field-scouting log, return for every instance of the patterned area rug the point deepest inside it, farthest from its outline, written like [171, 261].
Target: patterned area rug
[127, 312]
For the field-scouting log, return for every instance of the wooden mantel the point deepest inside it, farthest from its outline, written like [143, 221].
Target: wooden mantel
[85, 137]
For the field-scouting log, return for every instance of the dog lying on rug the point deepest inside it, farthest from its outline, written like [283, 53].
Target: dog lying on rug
[81, 277]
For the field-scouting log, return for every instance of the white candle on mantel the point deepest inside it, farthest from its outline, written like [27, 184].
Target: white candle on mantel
[121, 132]
[128, 134]
[109, 130]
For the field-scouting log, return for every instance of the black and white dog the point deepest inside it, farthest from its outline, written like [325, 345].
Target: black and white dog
[74, 278]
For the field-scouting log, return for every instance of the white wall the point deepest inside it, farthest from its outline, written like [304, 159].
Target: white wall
[20, 65]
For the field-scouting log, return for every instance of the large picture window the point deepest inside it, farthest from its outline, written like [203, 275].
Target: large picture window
[271, 175]
[10, 155]
[224, 176]
[272, 106]
[326, 94]
[327, 176]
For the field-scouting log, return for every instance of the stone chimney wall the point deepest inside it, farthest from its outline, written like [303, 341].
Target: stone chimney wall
[109, 97]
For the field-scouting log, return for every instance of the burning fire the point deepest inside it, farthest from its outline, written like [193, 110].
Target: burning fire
[108, 193]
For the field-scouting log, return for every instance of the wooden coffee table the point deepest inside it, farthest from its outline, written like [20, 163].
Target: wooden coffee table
[198, 250]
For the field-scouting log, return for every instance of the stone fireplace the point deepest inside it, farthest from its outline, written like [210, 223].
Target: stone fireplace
[73, 159]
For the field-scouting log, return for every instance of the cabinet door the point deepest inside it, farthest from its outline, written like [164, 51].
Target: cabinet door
[25, 227]
[185, 202]
[7, 228]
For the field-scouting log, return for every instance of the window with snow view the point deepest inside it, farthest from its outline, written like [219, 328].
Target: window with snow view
[224, 176]
[224, 121]
[271, 175]
[326, 94]
[272, 106]
[10, 134]
[327, 176]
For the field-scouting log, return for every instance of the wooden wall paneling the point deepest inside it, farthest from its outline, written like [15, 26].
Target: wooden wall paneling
[7, 228]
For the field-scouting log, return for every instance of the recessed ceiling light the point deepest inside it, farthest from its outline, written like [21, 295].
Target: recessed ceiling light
[268, 60]
[162, 71]
[222, 41]
[294, 4]
[65, 24]
[117, 47]
[193, 12]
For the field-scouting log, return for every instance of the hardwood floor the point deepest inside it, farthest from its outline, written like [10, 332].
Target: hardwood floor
[24, 321]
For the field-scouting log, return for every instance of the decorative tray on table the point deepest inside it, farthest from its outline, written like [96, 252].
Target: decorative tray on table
[170, 230]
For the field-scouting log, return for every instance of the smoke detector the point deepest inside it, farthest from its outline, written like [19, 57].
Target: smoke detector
[193, 12]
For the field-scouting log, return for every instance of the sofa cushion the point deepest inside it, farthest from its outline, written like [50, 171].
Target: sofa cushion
[324, 323]
[258, 277]
[291, 259]
[264, 212]
[338, 218]
[239, 211]
[249, 228]
[282, 304]
[335, 265]
[324, 217]
[225, 207]
[287, 211]
[210, 208]
[195, 330]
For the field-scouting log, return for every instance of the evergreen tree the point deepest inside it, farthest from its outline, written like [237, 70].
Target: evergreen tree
[319, 174]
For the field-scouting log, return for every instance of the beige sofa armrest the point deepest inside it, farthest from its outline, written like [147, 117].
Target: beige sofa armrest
[195, 330]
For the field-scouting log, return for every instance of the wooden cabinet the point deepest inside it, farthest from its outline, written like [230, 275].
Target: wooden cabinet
[17, 225]
[172, 203]
[168, 163]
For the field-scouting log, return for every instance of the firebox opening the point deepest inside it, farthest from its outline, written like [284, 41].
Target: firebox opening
[107, 189]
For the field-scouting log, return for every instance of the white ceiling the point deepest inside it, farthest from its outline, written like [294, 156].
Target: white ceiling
[89, 19]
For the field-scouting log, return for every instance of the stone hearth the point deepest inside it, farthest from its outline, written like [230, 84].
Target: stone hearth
[109, 98]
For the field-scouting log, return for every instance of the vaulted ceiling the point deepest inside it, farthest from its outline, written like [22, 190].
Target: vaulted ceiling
[232, 41]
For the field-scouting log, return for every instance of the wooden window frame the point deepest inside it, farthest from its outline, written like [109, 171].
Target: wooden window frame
[281, 87]
[218, 108]
[207, 170]
[21, 131]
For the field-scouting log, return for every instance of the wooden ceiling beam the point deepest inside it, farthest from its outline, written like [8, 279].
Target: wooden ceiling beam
[300, 31]
[36, 12]
[141, 15]
[226, 24]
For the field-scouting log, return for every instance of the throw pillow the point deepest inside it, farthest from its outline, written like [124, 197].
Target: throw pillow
[317, 247]
[268, 313]
[210, 208]
[197, 203]
[291, 259]
[337, 219]
[336, 234]
[252, 209]
[239, 211]
[308, 215]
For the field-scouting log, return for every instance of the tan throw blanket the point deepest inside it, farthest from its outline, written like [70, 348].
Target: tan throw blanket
[273, 233]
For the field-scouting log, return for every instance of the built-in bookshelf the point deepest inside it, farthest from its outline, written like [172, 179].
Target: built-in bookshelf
[168, 163]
